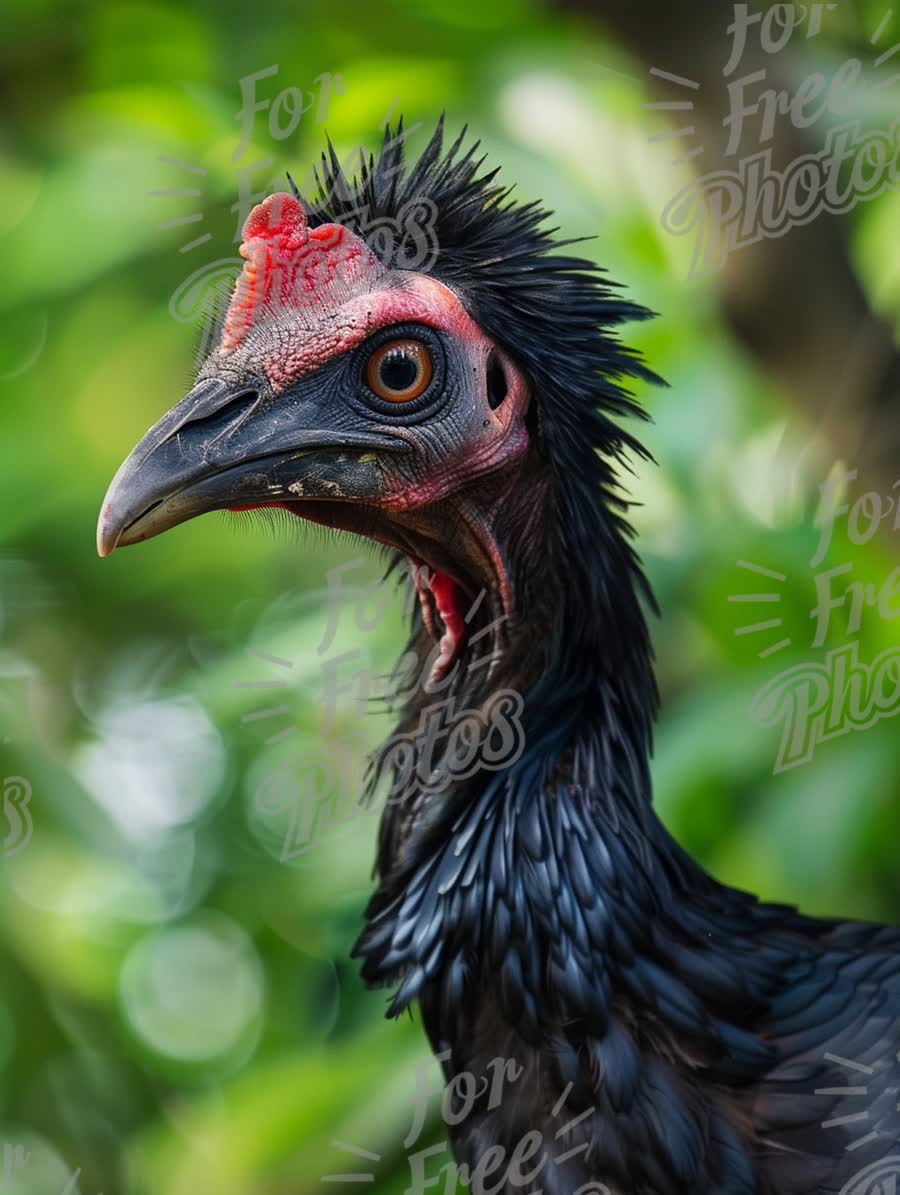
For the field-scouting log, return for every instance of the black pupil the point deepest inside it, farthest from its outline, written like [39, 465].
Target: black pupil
[398, 371]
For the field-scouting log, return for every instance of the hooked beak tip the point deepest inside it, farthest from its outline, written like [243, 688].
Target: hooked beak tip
[108, 533]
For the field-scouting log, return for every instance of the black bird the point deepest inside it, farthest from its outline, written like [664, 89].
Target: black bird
[413, 358]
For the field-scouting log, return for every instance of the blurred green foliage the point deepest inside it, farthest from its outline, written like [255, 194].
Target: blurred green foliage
[178, 1011]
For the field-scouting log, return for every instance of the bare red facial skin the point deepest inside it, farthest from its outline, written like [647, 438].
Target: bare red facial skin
[305, 296]
[448, 598]
[290, 268]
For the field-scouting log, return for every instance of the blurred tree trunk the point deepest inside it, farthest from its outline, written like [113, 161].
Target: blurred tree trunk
[793, 301]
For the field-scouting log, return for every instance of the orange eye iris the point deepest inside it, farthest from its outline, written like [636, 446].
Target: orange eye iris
[400, 370]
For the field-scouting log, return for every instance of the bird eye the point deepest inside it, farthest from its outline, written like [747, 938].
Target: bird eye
[400, 370]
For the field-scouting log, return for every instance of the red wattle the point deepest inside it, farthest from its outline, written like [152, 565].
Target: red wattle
[448, 599]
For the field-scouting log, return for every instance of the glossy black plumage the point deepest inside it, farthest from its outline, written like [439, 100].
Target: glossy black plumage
[543, 912]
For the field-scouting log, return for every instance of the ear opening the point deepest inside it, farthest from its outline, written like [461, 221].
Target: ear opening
[497, 387]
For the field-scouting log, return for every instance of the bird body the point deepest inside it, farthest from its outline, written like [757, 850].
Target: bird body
[670, 1034]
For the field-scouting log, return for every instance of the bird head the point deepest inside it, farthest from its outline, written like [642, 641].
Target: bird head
[444, 409]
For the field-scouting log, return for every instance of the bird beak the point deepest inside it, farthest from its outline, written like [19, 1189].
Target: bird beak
[238, 447]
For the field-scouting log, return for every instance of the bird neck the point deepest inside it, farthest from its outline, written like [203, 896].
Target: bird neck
[565, 636]
[583, 599]
[543, 904]
[574, 653]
